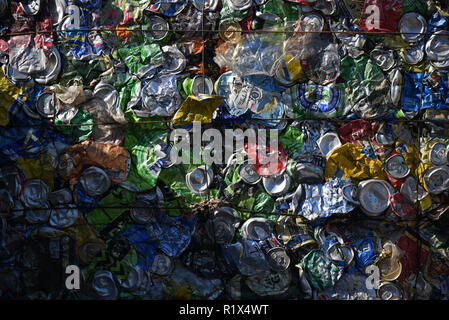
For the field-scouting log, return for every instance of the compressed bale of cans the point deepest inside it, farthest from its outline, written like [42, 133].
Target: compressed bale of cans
[352, 107]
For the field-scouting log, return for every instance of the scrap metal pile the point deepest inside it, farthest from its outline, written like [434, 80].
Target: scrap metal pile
[355, 207]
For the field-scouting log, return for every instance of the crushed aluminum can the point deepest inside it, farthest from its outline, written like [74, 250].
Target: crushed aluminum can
[385, 59]
[142, 212]
[162, 265]
[436, 179]
[52, 68]
[390, 291]
[351, 193]
[64, 216]
[437, 46]
[14, 179]
[104, 285]
[328, 143]
[248, 173]
[257, 229]
[438, 154]
[34, 194]
[59, 197]
[175, 62]
[412, 27]
[396, 86]
[396, 167]
[384, 136]
[276, 185]
[412, 191]
[306, 173]
[374, 196]
[202, 85]
[341, 255]
[160, 28]
[95, 181]
[231, 32]
[311, 22]
[275, 255]
[222, 225]
[200, 179]
[45, 106]
[239, 5]
[107, 93]
[414, 55]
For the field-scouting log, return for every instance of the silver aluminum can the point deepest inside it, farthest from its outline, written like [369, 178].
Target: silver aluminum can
[437, 47]
[45, 106]
[162, 265]
[278, 259]
[52, 68]
[328, 143]
[34, 194]
[396, 87]
[159, 27]
[222, 225]
[57, 9]
[311, 22]
[438, 154]
[175, 62]
[95, 181]
[385, 59]
[351, 193]
[414, 55]
[327, 7]
[390, 291]
[202, 85]
[209, 5]
[396, 167]
[248, 173]
[277, 185]
[257, 229]
[374, 196]
[64, 216]
[436, 179]
[239, 5]
[200, 179]
[412, 27]
[412, 191]
[107, 93]
[104, 285]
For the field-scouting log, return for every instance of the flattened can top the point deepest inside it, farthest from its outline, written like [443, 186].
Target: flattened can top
[45, 106]
[390, 291]
[328, 143]
[385, 59]
[374, 196]
[436, 179]
[162, 265]
[396, 167]
[95, 181]
[257, 229]
[248, 173]
[412, 27]
[34, 194]
[278, 259]
[438, 154]
[414, 55]
[311, 22]
[175, 62]
[437, 47]
[202, 85]
[159, 27]
[200, 179]
[276, 185]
